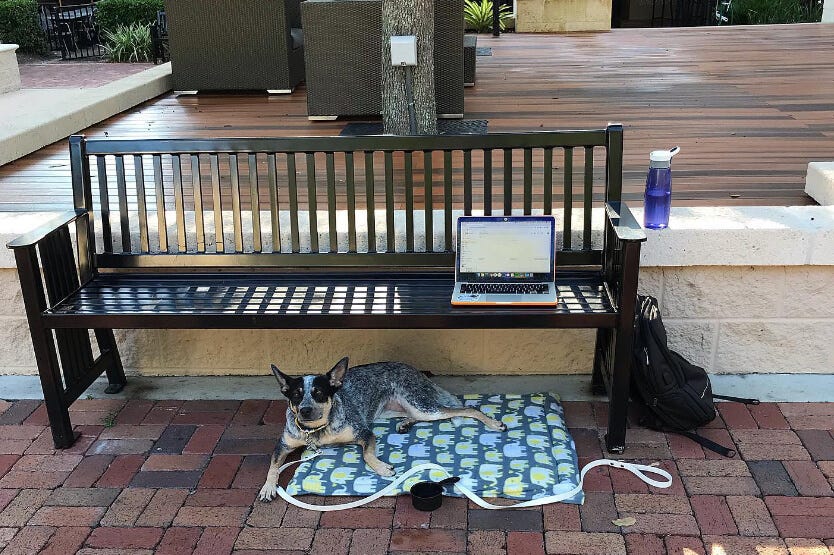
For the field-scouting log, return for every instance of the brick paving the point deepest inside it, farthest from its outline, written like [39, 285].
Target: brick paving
[73, 75]
[182, 477]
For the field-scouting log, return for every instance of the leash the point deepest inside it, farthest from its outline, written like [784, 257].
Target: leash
[638, 470]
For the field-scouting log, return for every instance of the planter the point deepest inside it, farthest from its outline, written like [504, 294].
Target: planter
[556, 16]
[9, 72]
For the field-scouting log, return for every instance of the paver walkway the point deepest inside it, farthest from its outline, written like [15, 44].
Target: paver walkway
[73, 75]
[182, 476]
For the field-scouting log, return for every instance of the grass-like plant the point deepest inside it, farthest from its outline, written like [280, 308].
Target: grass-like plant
[760, 12]
[478, 15]
[129, 43]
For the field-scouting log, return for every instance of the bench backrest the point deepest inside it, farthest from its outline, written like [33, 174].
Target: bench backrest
[161, 202]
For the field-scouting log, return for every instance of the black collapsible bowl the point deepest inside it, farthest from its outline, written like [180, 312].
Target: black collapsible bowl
[428, 496]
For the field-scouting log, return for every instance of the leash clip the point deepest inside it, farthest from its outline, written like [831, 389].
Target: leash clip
[311, 442]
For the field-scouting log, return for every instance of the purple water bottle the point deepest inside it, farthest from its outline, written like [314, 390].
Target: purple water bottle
[659, 189]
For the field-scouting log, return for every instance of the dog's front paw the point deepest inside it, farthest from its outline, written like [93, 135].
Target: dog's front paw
[268, 492]
[385, 470]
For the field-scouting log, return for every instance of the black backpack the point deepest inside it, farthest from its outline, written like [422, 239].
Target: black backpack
[676, 395]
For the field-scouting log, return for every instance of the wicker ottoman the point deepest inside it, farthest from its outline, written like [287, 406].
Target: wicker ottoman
[470, 44]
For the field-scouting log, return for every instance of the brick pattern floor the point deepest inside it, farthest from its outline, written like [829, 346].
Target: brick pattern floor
[74, 75]
[182, 476]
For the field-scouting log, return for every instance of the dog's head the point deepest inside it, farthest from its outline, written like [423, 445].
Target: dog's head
[311, 396]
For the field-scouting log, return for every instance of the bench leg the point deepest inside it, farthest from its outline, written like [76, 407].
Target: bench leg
[57, 407]
[621, 352]
[612, 366]
[115, 371]
[618, 396]
[46, 354]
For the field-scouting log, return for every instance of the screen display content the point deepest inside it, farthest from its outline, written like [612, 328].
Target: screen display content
[505, 249]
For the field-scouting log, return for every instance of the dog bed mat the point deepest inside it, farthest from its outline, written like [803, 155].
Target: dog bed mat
[534, 458]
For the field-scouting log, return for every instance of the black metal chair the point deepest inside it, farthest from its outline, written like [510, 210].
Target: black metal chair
[665, 6]
[65, 37]
[159, 36]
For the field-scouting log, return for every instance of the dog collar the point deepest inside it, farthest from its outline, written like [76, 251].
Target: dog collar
[309, 433]
[309, 430]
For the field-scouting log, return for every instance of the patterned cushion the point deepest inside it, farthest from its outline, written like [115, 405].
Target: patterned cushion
[535, 457]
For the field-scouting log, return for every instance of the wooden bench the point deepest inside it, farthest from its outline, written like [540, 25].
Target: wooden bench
[146, 254]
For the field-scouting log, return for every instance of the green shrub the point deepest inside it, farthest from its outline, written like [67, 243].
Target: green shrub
[478, 15]
[19, 25]
[759, 12]
[111, 14]
[128, 43]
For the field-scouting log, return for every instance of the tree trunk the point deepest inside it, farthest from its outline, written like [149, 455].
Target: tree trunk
[408, 17]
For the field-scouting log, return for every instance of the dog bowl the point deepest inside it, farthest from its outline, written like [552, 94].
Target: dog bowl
[428, 496]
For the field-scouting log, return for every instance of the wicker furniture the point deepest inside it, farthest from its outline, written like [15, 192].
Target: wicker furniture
[235, 44]
[470, 51]
[343, 56]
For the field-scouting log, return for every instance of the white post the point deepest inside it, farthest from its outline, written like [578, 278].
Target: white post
[9, 72]
[828, 11]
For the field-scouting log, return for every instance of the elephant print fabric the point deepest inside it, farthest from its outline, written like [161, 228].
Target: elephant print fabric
[534, 458]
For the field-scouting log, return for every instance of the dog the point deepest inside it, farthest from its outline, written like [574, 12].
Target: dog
[339, 408]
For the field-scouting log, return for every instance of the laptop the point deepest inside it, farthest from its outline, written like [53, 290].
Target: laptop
[505, 260]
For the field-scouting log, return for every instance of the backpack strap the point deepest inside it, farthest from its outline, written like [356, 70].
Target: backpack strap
[709, 444]
[745, 400]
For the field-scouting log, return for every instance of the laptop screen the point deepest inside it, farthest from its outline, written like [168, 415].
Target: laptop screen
[501, 248]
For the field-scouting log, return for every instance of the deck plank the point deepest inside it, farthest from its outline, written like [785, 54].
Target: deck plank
[750, 107]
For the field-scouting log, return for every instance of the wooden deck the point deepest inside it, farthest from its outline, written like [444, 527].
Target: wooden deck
[750, 107]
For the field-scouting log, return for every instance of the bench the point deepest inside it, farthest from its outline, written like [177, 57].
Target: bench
[142, 247]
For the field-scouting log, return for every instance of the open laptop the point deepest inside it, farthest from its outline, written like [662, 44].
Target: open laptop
[505, 260]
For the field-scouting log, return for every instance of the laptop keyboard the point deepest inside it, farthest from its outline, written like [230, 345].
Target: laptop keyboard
[505, 288]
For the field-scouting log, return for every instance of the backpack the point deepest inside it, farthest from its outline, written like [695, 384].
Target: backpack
[676, 395]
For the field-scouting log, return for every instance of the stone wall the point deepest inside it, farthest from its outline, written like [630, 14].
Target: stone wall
[748, 319]
[742, 290]
[9, 72]
[559, 16]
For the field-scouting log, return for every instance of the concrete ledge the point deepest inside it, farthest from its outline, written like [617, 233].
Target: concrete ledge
[33, 118]
[771, 388]
[819, 182]
[708, 236]
[742, 236]
[9, 72]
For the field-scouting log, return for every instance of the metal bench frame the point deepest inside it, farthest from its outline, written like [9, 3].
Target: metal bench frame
[69, 289]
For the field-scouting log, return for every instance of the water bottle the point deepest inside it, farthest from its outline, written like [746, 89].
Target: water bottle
[658, 199]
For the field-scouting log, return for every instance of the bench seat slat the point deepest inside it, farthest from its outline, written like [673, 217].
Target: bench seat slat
[289, 301]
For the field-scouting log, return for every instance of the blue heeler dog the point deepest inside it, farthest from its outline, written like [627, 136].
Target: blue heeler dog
[340, 406]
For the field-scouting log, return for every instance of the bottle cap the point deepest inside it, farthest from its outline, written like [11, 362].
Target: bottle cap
[663, 155]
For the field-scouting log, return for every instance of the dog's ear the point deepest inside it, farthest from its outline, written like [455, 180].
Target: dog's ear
[337, 373]
[282, 378]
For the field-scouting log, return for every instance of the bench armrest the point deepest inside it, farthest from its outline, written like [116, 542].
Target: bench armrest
[38, 234]
[625, 226]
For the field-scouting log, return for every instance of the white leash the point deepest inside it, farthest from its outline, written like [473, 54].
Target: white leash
[638, 470]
